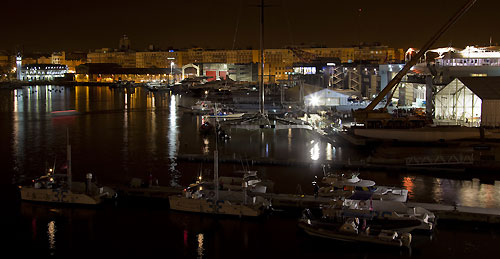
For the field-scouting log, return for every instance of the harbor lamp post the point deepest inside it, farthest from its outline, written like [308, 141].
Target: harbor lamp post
[172, 64]
[171, 70]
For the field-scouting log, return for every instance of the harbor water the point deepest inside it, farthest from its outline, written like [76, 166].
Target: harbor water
[119, 134]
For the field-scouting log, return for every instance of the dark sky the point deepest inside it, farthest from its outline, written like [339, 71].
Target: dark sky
[83, 25]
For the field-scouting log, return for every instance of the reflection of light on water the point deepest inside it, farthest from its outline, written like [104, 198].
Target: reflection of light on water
[437, 192]
[51, 231]
[172, 138]
[206, 148]
[329, 154]
[409, 185]
[126, 101]
[200, 245]
[315, 151]
[289, 140]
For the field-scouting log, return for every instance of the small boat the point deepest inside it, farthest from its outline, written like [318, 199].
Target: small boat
[225, 115]
[55, 188]
[207, 197]
[59, 188]
[348, 185]
[352, 231]
[157, 86]
[202, 106]
[63, 113]
[387, 214]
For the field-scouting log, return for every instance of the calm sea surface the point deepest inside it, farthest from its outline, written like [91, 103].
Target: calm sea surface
[117, 135]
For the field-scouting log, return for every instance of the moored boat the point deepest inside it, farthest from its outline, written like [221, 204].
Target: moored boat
[352, 230]
[60, 188]
[351, 186]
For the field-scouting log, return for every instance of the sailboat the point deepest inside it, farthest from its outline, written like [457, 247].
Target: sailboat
[202, 197]
[60, 188]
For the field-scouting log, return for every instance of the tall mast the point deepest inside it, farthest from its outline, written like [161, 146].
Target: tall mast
[216, 159]
[261, 83]
[68, 158]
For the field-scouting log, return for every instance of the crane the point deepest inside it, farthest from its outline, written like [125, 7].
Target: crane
[382, 116]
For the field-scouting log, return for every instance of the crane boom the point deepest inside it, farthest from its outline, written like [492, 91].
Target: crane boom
[417, 57]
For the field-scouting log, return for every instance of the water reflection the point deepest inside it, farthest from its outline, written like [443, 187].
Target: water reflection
[51, 232]
[200, 246]
[408, 185]
[329, 153]
[315, 151]
[206, 148]
[173, 134]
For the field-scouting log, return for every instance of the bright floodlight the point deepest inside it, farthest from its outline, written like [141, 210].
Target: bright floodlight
[314, 100]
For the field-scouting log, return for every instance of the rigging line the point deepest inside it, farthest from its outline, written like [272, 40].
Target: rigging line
[287, 14]
[237, 24]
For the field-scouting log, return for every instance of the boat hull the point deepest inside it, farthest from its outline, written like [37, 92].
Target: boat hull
[209, 206]
[58, 196]
[420, 135]
[335, 235]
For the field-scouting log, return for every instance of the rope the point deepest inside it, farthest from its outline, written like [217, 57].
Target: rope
[237, 24]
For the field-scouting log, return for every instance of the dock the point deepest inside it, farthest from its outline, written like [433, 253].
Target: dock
[443, 212]
[153, 192]
[300, 202]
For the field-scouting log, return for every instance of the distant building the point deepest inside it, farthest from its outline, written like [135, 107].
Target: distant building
[39, 72]
[235, 72]
[107, 55]
[109, 72]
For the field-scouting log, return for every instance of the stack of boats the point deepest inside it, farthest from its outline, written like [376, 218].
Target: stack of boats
[363, 212]
[347, 185]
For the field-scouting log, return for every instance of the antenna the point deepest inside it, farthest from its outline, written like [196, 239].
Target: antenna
[261, 82]
[68, 157]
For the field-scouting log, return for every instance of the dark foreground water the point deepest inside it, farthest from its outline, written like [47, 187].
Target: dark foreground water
[117, 135]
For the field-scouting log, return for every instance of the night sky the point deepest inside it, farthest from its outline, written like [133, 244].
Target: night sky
[83, 25]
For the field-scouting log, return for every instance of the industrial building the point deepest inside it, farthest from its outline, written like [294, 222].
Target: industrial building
[109, 72]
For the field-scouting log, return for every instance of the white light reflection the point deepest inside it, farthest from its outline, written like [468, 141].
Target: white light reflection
[206, 148]
[329, 154]
[315, 151]
[200, 246]
[51, 231]
[172, 140]
[289, 140]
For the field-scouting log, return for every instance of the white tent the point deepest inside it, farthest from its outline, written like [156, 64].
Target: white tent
[327, 97]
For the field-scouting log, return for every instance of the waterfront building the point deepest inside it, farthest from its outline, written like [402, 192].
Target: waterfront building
[41, 72]
[235, 72]
[110, 72]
